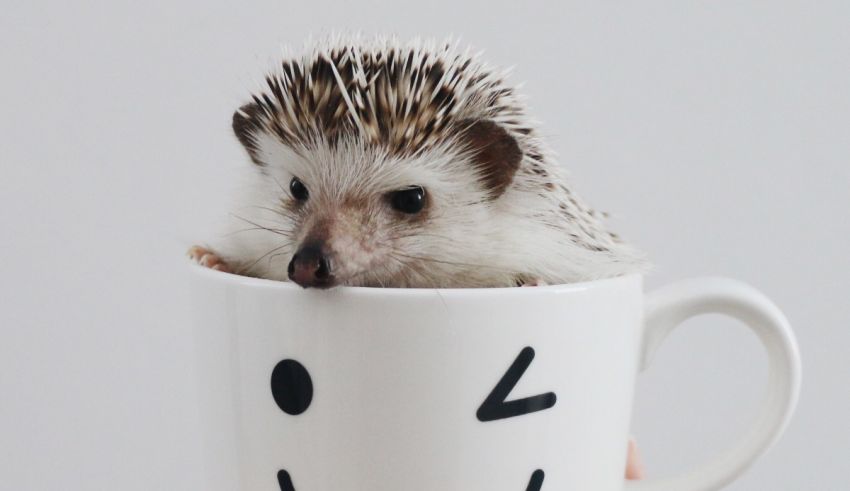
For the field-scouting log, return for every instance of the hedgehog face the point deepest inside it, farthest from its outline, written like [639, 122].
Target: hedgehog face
[353, 213]
[403, 154]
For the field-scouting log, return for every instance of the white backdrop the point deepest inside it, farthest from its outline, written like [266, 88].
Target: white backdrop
[715, 132]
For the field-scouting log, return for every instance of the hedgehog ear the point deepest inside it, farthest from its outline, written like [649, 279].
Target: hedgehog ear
[495, 153]
[246, 125]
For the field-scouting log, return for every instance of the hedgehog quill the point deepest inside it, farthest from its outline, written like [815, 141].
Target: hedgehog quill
[377, 163]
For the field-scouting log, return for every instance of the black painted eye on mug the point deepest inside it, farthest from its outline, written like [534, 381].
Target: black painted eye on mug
[409, 201]
[292, 387]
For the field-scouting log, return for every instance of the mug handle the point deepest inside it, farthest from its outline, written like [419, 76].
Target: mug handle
[668, 307]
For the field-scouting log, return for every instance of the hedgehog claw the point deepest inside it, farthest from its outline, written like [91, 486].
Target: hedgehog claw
[207, 258]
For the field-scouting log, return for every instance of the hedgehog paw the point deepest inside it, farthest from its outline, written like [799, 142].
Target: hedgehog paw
[207, 258]
[532, 282]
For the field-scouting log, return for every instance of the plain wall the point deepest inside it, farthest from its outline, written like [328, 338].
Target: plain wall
[716, 133]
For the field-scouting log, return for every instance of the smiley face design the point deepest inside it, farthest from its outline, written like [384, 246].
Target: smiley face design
[292, 390]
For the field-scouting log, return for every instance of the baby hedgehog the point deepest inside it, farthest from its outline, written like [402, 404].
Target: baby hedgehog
[391, 165]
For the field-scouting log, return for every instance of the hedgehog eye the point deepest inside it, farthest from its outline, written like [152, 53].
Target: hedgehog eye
[410, 200]
[298, 190]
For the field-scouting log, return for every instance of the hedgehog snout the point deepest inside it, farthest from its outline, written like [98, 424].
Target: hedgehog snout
[311, 266]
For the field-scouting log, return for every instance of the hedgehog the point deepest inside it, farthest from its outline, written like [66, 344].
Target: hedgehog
[412, 165]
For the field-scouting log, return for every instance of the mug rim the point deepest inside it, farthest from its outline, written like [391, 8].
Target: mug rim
[252, 282]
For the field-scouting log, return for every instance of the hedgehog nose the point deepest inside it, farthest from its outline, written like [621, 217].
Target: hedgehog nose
[311, 267]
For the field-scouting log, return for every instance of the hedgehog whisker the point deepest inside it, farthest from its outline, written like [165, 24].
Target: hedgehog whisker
[271, 258]
[265, 255]
[281, 232]
[279, 185]
[277, 212]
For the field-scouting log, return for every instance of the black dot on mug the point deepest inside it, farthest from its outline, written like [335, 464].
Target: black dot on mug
[292, 387]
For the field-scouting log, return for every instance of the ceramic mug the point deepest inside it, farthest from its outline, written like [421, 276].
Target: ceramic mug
[503, 389]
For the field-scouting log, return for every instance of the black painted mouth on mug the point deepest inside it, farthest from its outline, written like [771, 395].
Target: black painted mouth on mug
[284, 480]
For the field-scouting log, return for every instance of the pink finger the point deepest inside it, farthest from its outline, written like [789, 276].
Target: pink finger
[634, 467]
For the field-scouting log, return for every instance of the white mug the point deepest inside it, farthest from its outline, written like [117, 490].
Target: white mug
[503, 389]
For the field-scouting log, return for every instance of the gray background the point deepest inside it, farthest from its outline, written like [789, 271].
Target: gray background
[715, 132]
